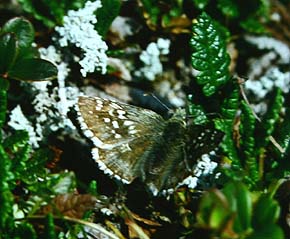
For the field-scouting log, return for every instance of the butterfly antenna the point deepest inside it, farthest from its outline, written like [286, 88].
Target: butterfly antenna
[156, 98]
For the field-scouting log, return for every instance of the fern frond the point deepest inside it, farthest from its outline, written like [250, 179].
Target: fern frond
[247, 142]
[34, 167]
[6, 197]
[49, 227]
[209, 55]
[16, 141]
[272, 116]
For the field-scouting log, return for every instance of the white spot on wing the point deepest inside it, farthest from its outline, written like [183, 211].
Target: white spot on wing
[111, 112]
[99, 102]
[115, 106]
[88, 133]
[131, 127]
[97, 142]
[121, 112]
[95, 153]
[125, 181]
[133, 131]
[99, 108]
[107, 120]
[128, 123]
[115, 124]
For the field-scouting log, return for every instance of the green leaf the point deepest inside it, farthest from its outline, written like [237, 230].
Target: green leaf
[50, 12]
[229, 109]
[230, 104]
[271, 117]
[106, 14]
[16, 141]
[33, 70]
[197, 113]
[23, 30]
[271, 231]
[6, 197]
[229, 8]
[200, 4]
[8, 52]
[209, 54]
[283, 136]
[29, 7]
[151, 8]
[213, 210]
[34, 167]
[239, 198]
[252, 25]
[50, 232]
[4, 84]
[228, 146]
[247, 142]
[266, 212]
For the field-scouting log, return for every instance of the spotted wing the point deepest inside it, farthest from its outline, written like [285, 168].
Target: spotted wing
[122, 134]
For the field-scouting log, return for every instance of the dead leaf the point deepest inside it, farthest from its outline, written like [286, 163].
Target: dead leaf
[70, 205]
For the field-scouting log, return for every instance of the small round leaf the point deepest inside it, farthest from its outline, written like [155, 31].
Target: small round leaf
[23, 30]
[8, 52]
[33, 70]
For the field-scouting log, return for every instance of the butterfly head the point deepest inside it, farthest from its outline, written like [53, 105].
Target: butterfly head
[179, 116]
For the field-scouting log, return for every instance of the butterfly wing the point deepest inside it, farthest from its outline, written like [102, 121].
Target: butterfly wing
[122, 134]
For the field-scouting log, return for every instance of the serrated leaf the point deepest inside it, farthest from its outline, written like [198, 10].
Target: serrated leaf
[34, 167]
[197, 113]
[247, 142]
[230, 104]
[33, 70]
[271, 117]
[283, 136]
[106, 14]
[16, 141]
[8, 52]
[6, 197]
[209, 55]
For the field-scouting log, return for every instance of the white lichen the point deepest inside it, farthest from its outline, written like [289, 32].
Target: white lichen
[264, 72]
[205, 166]
[151, 59]
[264, 42]
[79, 29]
[18, 121]
[52, 102]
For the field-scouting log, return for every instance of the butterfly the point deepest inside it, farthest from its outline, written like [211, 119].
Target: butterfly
[131, 142]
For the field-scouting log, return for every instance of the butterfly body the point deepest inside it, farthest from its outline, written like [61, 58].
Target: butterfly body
[131, 142]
